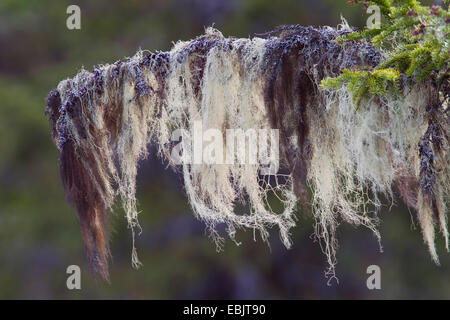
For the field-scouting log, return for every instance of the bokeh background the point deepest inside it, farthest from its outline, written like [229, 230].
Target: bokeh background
[39, 232]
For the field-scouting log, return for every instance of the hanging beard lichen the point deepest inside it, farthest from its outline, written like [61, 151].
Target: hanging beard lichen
[102, 122]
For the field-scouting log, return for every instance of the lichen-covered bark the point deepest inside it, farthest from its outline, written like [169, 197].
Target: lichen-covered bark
[102, 122]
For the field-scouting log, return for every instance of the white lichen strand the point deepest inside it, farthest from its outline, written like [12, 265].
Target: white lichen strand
[354, 156]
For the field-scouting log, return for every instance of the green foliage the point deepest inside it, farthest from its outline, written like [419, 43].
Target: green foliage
[415, 42]
[363, 83]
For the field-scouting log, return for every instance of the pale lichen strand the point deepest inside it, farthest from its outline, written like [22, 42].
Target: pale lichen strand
[103, 121]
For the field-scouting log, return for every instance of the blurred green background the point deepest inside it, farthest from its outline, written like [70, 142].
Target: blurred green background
[39, 232]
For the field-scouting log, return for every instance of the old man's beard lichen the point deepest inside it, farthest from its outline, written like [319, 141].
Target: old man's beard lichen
[102, 122]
